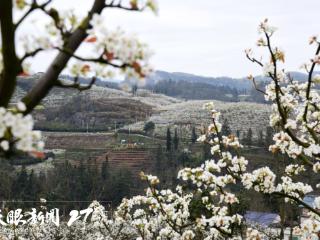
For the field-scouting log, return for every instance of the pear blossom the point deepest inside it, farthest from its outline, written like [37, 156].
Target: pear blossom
[253, 234]
[313, 39]
[4, 145]
[264, 27]
[19, 131]
[316, 78]
[294, 169]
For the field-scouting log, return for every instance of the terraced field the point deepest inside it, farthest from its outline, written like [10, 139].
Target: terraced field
[136, 160]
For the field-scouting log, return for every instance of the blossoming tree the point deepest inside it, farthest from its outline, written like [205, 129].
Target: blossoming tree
[165, 213]
[107, 51]
[170, 214]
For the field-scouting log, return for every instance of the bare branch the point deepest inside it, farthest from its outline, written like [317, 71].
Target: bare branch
[95, 60]
[76, 84]
[30, 54]
[34, 6]
[309, 86]
[120, 6]
[256, 87]
[254, 60]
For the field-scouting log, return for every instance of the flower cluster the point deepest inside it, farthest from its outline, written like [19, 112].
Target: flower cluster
[253, 234]
[16, 131]
[262, 180]
[105, 50]
[295, 104]
[294, 169]
[117, 49]
[293, 189]
[310, 228]
[264, 27]
[142, 4]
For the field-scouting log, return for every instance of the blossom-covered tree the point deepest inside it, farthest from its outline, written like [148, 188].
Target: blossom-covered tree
[107, 51]
[203, 206]
[171, 214]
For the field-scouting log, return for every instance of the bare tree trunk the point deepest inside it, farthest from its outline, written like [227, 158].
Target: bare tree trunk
[10, 60]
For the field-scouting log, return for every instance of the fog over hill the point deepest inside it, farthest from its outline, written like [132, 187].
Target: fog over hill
[238, 83]
[179, 85]
[159, 75]
[241, 83]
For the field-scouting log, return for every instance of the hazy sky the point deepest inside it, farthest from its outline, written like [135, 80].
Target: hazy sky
[207, 37]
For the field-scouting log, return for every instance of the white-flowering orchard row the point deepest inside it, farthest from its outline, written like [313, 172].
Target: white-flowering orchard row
[184, 115]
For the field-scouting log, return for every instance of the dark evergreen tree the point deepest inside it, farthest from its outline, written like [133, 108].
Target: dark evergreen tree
[122, 185]
[269, 136]
[175, 140]
[159, 161]
[193, 135]
[33, 187]
[20, 185]
[225, 129]
[168, 139]
[238, 134]
[105, 170]
[149, 127]
[206, 150]
[134, 89]
[261, 138]
[249, 137]
[183, 158]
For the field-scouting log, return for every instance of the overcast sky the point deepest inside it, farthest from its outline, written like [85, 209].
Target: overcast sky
[207, 37]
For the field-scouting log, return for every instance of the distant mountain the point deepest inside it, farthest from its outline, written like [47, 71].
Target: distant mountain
[192, 90]
[113, 83]
[175, 84]
[237, 83]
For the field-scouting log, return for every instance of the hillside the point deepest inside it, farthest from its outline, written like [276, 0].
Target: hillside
[98, 109]
[241, 116]
[59, 96]
[103, 109]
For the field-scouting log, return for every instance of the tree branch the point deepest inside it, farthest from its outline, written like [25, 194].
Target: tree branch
[34, 6]
[256, 87]
[48, 80]
[76, 84]
[95, 60]
[120, 6]
[278, 91]
[254, 60]
[30, 54]
[309, 86]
